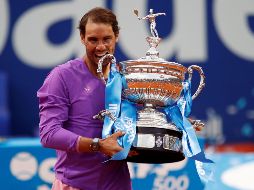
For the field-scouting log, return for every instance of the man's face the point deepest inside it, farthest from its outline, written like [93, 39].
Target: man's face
[99, 40]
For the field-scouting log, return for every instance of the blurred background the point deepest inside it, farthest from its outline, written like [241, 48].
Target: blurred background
[217, 35]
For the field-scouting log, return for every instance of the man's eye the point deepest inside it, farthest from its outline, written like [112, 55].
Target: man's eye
[107, 40]
[93, 41]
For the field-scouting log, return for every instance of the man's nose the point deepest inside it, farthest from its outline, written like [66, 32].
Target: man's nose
[101, 46]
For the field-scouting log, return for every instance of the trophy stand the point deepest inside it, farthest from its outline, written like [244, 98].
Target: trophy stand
[153, 42]
[156, 140]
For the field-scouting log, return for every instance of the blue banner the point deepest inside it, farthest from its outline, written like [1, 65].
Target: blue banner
[24, 163]
[218, 36]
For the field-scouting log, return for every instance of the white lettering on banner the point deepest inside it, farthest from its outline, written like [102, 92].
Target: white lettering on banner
[188, 38]
[30, 40]
[239, 175]
[164, 169]
[4, 23]
[43, 187]
[163, 180]
[23, 166]
[171, 183]
[230, 18]
[46, 172]
[143, 170]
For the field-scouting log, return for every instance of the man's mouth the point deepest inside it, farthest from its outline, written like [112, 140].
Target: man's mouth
[100, 55]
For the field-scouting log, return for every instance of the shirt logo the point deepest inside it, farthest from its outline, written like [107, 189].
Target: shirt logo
[87, 89]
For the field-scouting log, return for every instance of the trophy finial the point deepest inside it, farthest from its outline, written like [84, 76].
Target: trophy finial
[151, 17]
[154, 40]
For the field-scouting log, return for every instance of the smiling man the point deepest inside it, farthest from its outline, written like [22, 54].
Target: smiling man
[99, 34]
[69, 98]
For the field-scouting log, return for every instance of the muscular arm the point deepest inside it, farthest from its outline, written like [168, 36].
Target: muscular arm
[53, 112]
[143, 18]
[54, 107]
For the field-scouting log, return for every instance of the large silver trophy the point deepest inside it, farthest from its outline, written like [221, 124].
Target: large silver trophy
[154, 83]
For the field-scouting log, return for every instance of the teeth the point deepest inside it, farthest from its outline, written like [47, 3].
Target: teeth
[101, 55]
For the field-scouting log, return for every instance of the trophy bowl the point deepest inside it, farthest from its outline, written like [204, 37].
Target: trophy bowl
[153, 84]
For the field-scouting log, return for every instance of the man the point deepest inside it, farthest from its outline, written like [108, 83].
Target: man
[69, 98]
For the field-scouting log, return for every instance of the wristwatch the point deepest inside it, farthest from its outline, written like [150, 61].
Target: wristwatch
[95, 145]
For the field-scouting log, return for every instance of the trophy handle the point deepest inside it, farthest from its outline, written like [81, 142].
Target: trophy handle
[106, 59]
[202, 79]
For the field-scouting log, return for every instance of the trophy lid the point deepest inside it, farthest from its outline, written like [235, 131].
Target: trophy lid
[153, 66]
[151, 62]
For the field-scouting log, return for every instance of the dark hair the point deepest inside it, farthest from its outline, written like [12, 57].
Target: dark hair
[99, 15]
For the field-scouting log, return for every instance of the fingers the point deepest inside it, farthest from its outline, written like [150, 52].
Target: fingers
[117, 134]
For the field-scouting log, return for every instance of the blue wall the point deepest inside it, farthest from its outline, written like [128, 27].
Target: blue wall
[216, 35]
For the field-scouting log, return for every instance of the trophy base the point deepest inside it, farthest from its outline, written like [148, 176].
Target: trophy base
[156, 145]
[155, 156]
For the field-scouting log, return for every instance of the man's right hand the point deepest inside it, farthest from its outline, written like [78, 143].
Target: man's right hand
[109, 146]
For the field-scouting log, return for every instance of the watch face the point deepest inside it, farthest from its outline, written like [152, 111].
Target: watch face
[95, 147]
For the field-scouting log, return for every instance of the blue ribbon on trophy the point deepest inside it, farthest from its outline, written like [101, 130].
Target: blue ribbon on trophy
[178, 114]
[123, 111]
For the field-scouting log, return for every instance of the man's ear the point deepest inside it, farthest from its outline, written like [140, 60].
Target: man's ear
[82, 38]
[117, 38]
